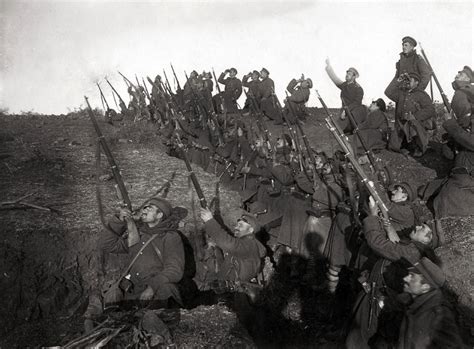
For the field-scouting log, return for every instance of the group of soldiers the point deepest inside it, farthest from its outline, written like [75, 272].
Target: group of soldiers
[341, 208]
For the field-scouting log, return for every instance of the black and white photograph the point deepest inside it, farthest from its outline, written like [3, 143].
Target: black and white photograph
[237, 174]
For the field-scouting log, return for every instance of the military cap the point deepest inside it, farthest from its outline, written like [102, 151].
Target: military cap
[430, 271]
[252, 220]
[354, 71]
[415, 76]
[310, 83]
[163, 205]
[265, 70]
[468, 71]
[234, 70]
[410, 40]
[256, 72]
[381, 104]
[407, 188]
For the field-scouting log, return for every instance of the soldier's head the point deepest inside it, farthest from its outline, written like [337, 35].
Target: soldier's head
[158, 79]
[414, 80]
[194, 74]
[308, 83]
[232, 72]
[408, 44]
[351, 74]
[255, 75]
[378, 104]
[154, 210]
[423, 277]
[264, 73]
[246, 225]
[401, 192]
[422, 233]
[465, 75]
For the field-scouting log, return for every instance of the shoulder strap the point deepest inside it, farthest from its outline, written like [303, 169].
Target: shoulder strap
[125, 273]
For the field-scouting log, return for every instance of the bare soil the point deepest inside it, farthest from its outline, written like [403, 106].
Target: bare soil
[49, 260]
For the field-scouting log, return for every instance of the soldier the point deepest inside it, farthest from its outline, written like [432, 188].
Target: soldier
[159, 100]
[242, 253]
[232, 91]
[269, 101]
[454, 196]
[299, 94]
[373, 131]
[253, 94]
[414, 115]
[381, 284]
[429, 321]
[351, 96]
[156, 252]
[410, 62]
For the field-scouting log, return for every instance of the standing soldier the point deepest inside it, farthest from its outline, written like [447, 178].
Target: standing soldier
[299, 94]
[159, 100]
[410, 62]
[232, 91]
[268, 102]
[351, 96]
[253, 93]
[414, 115]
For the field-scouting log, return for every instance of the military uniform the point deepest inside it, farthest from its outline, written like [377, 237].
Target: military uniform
[373, 132]
[268, 101]
[253, 94]
[351, 95]
[410, 63]
[232, 92]
[161, 264]
[242, 256]
[418, 103]
[296, 101]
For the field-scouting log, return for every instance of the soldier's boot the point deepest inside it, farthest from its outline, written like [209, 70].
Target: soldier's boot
[333, 278]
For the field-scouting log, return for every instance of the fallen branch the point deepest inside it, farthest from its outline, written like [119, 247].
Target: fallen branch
[17, 200]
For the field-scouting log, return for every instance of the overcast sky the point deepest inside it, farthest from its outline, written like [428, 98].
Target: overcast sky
[52, 52]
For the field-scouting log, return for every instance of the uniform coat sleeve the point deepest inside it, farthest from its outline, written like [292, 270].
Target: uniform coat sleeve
[426, 107]
[226, 242]
[380, 244]
[112, 241]
[460, 136]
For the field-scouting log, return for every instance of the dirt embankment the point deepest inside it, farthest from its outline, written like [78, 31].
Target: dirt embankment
[48, 259]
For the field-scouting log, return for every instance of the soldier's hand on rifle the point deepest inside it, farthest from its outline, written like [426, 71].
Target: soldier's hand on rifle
[206, 214]
[391, 233]
[125, 214]
[343, 115]
[245, 169]
[147, 294]
[374, 208]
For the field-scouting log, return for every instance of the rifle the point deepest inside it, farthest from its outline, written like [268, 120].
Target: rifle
[192, 175]
[128, 82]
[113, 165]
[167, 85]
[349, 155]
[219, 92]
[443, 95]
[122, 104]
[293, 134]
[176, 78]
[102, 98]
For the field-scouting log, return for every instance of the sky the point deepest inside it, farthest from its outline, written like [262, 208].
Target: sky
[53, 52]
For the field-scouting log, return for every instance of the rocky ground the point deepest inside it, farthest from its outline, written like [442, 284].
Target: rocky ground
[48, 254]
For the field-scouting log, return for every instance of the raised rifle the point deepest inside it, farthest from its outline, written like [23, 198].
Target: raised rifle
[176, 78]
[192, 175]
[113, 165]
[293, 134]
[106, 106]
[167, 85]
[128, 82]
[376, 165]
[443, 95]
[219, 92]
[342, 140]
[123, 106]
